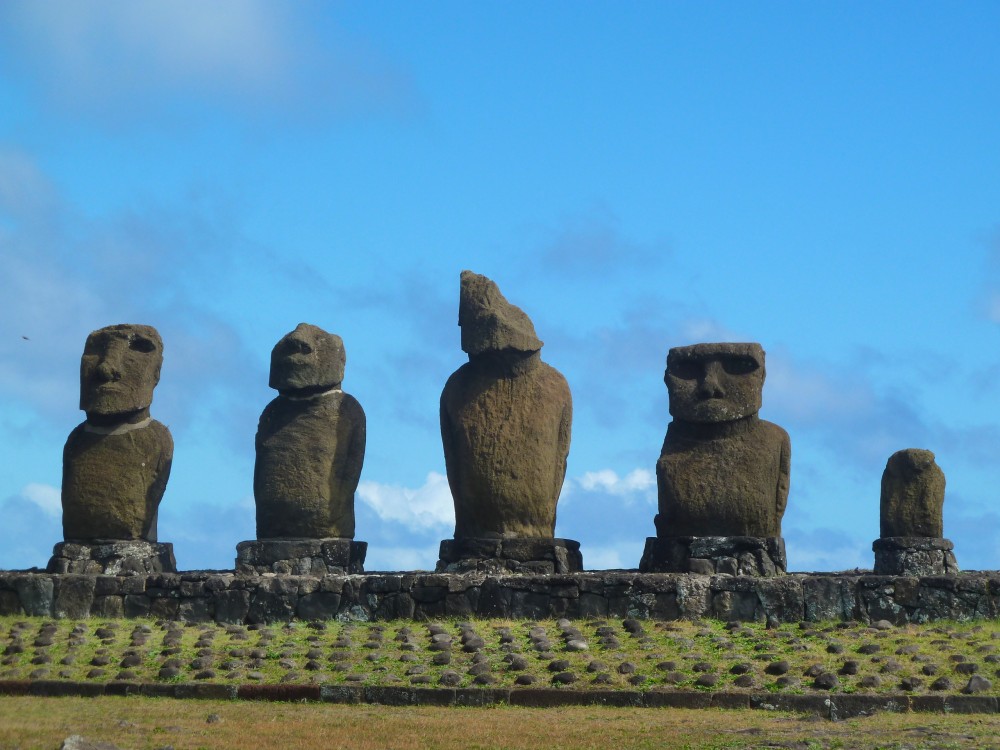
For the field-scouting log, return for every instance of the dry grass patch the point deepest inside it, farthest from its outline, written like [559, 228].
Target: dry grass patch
[148, 723]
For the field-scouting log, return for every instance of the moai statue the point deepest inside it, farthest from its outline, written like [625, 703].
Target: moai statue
[911, 538]
[723, 473]
[310, 450]
[116, 463]
[505, 425]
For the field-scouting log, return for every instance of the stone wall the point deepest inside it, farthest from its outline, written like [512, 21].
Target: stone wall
[226, 597]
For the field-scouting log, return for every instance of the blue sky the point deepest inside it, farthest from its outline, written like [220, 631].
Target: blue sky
[823, 178]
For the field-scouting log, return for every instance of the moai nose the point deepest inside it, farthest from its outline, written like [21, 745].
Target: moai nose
[109, 367]
[710, 385]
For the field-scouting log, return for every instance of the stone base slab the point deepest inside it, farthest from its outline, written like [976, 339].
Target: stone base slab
[222, 596]
[113, 557]
[715, 555]
[914, 556]
[526, 555]
[316, 557]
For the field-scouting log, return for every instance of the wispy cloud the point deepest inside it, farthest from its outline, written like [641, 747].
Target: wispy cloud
[426, 507]
[591, 243]
[46, 497]
[636, 483]
[124, 59]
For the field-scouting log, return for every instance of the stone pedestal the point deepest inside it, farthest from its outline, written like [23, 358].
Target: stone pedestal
[914, 556]
[524, 555]
[715, 555]
[114, 557]
[301, 556]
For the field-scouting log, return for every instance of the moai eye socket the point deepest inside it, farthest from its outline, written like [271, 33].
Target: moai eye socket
[736, 365]
[141, 344]
[301, 347]
[687, 369]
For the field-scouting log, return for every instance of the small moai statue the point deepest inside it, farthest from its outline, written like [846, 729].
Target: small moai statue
[911, 536]
[505, 424]
[723, 473]
[116, 463]
[310, 450]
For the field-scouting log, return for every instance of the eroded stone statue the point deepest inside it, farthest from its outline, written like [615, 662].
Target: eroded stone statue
[310, 451]
[723, 473]
[912, 501]
[116, 463]
[911, 519]
[505, 423]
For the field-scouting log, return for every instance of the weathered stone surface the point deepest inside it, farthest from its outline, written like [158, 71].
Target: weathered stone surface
[912, 495]
[715, 555]
[310, 442]
[524, 555]
[111, 557]
[505, 422]
[204, 596]
[722, 470]
[914, 556]
[116, 464]
[316, 557]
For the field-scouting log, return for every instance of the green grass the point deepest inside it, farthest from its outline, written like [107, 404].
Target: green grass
[664, 656]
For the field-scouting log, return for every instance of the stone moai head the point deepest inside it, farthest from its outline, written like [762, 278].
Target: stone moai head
[912, 501]
[119, 369]
[489, 322]
[710, 383]
[307, 359]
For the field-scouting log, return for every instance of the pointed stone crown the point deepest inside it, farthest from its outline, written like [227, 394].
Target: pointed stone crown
[489, 322]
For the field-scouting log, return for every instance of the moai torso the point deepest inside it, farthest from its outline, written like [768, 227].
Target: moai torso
[116, 464]
[912, 501]
[310, 442]
[505, 422]
[722, 471]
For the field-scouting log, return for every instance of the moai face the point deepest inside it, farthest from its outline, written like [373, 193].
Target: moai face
[489, 322]
[711, 383]
[119, 369]
[308, 358]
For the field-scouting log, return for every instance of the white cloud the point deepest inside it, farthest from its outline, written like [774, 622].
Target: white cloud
[426, 507]
[608, 481]
[46, 497]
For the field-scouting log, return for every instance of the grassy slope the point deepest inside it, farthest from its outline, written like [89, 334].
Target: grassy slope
[664, 655]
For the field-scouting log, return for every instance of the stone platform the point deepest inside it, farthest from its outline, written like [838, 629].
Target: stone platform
[914, 556]
[711, 555]
[223, 596]
[113, 557]
[316, 557]
[525, 555]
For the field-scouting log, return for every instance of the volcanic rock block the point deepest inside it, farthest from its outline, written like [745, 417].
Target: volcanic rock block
[113, 557]
[520, 555]
[116, 463]
[505, 422]
[723, 472]
[316, 557]
[716, 555]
